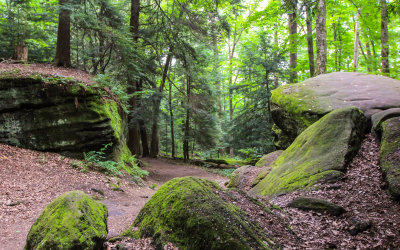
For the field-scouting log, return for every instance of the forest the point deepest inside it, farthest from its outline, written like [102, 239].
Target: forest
[196, 77]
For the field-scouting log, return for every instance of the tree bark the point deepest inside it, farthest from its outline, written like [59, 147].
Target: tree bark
[276, 79]
[384, 38]
[142, 128]
[187, 124]
[171, 114]
[321, 38]
[63, 49]
[134, 132]
[293, 41]
[20, 53]
[155, 140]
[310, 46]
[356, 41]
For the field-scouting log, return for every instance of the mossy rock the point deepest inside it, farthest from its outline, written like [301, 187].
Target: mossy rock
[380, 117]
[321, 153]
[217, 161]
[390, 155]
[297, 106]
[267, 159]
[239, 177]
[189, 213]
[57, 116]
[317, 205]
[72, 221]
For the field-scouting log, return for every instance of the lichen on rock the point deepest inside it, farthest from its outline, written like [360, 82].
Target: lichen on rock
[71, 221]
[320, 153]
[189, 213]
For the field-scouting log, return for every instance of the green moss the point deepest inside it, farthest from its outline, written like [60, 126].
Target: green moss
[318, 205]
[390, 155]
[72, 221]
[189, 213]
[317, 154]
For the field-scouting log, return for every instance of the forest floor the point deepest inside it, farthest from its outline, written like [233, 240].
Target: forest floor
[29, 180]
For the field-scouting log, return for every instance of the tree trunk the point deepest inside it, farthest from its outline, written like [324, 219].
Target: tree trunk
[63, 49]
[321, 38]
[134, 132]
[356, 41]
[155, 141]
[171, 114]
[384, 38]
[143, 130]
[187, 125]
[293, 41]
[20, 53]
[310, 46]
[276, 45]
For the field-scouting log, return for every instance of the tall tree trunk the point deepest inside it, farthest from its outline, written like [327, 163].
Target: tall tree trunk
[134, 132]
[155, 140]
[384, 38]
[63, 49]
[356, 41]
[171, 114]
[321, 38]
[142, 129]
[187, 124]
[293, 41]
[366, 58]
[310, 46]
[276, 45]
[369, 56]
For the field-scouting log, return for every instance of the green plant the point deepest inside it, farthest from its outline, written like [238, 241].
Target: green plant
[154, 186]
[99, 160]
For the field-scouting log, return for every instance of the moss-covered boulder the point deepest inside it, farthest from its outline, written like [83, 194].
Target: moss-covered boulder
[390, 155]
[190, 213]
[380, 117]
[297, 106]
[58, 114]
[267, 159]
[72, 221]
[317, 205]
[318, 154]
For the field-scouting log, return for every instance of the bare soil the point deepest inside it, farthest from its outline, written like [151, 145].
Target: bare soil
[29, 180]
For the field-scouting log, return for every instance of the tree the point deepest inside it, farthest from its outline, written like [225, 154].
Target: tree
[292, 40]
[310, 46]
[321, 37]
[384, 38]
[63, 50]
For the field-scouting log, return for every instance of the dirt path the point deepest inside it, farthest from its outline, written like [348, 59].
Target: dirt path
[29, 180]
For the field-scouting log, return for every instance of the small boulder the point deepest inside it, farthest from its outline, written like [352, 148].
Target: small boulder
[317, 205]
[357, 226]
[71, 221]
[189, 213]
[319, 154]
[390, 155]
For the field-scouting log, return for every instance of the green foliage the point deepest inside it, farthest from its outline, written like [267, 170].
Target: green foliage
[99, 160]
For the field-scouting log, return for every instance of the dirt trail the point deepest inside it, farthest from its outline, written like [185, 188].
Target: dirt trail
[29, 180]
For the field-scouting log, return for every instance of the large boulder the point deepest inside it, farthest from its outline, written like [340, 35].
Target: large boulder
[72, 221]
[297, 106]
[380, 117]
[58, 114]
[190, 213]
[320, 153]
[244, 177]
[390, 155]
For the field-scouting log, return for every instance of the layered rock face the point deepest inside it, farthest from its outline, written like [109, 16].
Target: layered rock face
[51, 115]
[297, 106]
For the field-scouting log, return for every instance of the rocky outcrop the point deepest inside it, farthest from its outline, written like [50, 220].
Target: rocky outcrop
[297, 106]
[378, 118]
[58, 115]
[390, 155]
[320, 153]
[72, 221]
[190, 213]
[317, 205]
